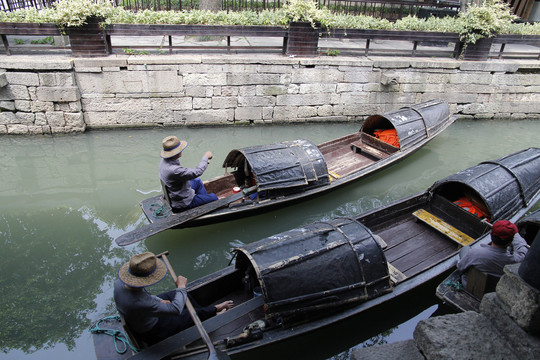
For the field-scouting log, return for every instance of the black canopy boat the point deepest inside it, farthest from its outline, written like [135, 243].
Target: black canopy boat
[284, 173]
[320, 274]
[458, 298]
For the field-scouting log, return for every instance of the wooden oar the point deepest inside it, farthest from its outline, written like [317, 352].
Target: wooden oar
[180, 218]
[213, 353]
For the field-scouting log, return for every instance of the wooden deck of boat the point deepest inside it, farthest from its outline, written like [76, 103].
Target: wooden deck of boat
[414, 246]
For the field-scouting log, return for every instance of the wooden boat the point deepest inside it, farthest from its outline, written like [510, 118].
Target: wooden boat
[452, 293]
[284, 173]
[311, 277]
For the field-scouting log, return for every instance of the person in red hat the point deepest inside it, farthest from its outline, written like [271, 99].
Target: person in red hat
[491, 258]
[184, 186]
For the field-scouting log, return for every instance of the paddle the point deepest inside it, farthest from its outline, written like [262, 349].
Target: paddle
[213, 353]
[179, 218]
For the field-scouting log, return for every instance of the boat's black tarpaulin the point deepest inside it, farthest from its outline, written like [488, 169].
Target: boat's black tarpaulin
[504, 185]
[281, 165]
[321, 266]
[413, 123]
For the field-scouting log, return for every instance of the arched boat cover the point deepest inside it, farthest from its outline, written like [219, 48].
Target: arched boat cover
[413, 123]
[323, 265]
[282, 165]
[504, 185]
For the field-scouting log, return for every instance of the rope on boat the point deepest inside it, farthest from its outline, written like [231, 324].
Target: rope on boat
[455, 284]
[119, 336]
[160, 210]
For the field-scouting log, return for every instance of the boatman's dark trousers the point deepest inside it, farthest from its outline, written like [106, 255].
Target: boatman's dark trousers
[171, 325]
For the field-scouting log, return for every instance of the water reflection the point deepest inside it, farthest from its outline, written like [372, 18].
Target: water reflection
[63, 201]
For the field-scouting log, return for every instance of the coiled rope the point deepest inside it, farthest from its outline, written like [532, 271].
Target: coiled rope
[455, 284]
[160, 210]
[119, 336]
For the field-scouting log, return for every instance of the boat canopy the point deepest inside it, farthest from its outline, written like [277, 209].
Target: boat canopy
[280, 165]
[412, 124]
[318, 267]
[504, 185]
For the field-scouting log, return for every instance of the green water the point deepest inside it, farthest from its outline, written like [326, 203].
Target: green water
[64, 199]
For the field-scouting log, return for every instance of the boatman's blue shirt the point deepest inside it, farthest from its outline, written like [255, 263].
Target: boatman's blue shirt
[142, 310]
[176, 178]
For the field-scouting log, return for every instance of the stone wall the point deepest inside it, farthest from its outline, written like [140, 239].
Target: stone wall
[64, 96]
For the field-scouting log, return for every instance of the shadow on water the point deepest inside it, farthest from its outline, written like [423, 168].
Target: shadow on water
[63, 201]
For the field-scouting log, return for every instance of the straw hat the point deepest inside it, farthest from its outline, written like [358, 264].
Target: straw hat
[172, 147]
[142, 270]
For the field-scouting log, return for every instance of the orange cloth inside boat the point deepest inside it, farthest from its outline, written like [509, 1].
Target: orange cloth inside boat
[388, 136]
[465, 204]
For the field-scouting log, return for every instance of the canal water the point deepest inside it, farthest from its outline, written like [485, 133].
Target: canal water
[64, 199]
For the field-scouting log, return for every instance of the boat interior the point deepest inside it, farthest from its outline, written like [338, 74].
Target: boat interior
[415, 235]
[343, 157]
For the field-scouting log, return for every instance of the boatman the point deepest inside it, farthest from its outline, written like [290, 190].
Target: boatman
[155, 318]
[491, 258]
[186, 190]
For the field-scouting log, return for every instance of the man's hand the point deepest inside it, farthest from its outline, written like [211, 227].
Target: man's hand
[209, 155]
[181, 282]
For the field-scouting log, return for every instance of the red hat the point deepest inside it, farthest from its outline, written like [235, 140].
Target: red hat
[504, 229]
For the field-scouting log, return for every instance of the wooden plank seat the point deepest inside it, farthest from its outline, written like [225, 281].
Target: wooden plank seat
[361, 148]
[458, 236]
[396, 276]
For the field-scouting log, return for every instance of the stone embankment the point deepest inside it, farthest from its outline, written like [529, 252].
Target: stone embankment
[507, 327]
[59, 95]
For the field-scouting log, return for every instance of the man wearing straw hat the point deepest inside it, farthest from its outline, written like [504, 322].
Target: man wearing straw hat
[155, 318]
[186, 190]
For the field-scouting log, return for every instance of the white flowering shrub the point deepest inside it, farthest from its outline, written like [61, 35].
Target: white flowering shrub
[491, 18]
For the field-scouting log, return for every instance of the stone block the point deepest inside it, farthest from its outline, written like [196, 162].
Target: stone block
[7, 117]
[40, 119]
[307, 111]
[317, 76]
[402, 350]
[74, 120]
[35, 130]
[196, 91]
[14, 92]
[248, 113]
[256, 101]
[3, 129]
[22, 78]
[285, 112]
[58, 94]
[270, 90]
[522, 299]
[489, 66]
[317, 88]
[209, 117]
[42, 106]
[23, 105]
[116, 104]
[7, 105]
[100, 119]
[173, 103]
[3, 80]
[202, 103]
[205, 79]
[523, 344]
[55, 119]
[462, 336]
[350, 87]
[37, 64]
[25, 118]
[274, 69]
[56, 79]
[130, 82]
[17, 129]
[471, 78]
[302, 100]
[251, 79]
[225, 102]
[99, 62]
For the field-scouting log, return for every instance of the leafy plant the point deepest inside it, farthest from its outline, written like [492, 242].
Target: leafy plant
[129, 51]
[76, 12]
[302, 11]
[49, 40]
[486, 20]
[331, 52]
[20, 41]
